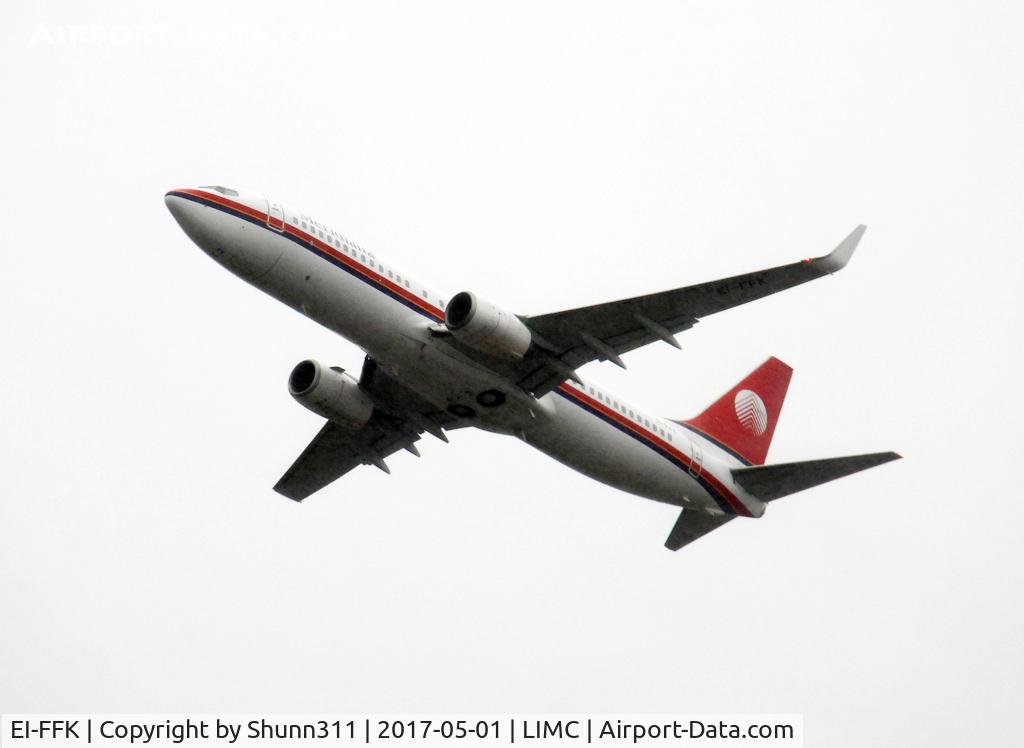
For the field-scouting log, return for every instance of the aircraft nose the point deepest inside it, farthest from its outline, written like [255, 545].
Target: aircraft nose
[178, 206]
[174, 204]
[187, 215]
[223, 235]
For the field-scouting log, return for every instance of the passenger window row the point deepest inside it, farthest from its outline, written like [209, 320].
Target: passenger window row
[338, 241]
[615, 405]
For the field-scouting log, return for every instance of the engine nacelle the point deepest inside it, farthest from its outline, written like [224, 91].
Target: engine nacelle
[331, 393]
[485, 327]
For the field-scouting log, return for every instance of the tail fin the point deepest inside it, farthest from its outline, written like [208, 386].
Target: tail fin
[743, 419]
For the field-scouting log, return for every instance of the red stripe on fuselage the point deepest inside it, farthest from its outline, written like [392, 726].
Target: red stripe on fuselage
[733, 501]
[320, 246]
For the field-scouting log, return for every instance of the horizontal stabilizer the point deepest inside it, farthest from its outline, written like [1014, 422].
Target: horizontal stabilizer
[770, 482]
[692, 525]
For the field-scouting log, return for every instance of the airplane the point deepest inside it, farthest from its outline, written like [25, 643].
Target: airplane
[437, 362]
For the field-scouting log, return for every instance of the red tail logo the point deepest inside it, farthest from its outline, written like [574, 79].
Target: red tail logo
[743, 420]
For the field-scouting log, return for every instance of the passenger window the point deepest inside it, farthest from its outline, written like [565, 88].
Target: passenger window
[390, 275]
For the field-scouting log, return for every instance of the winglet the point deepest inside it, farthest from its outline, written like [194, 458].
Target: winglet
[838, 257]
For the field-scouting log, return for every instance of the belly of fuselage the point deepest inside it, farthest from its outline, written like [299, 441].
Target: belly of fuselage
[586, 443]
[398, 337]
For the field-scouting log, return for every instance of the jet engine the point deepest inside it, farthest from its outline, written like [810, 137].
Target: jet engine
[331, 393]
[486, 327]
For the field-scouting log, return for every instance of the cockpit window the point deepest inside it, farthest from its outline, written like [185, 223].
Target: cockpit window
[221, 190]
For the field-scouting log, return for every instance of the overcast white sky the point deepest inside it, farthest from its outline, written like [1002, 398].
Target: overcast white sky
[545, 155]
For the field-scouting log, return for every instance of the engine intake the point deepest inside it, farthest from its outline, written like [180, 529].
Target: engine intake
[331, 393]
[487, 328]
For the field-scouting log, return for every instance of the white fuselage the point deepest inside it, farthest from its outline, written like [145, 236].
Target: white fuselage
[389, 314]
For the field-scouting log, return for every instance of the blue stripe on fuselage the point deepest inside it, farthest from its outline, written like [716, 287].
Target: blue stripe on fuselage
[723, 504]
[713, 440]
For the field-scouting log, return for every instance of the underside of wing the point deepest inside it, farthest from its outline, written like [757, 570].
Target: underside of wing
[399, 417]
[566, 340]
[331, 454]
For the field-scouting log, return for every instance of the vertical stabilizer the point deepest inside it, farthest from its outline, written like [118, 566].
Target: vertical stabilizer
[743, 420]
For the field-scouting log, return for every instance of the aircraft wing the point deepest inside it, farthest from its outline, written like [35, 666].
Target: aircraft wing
[567, 340]
[334, 451]
[399, 418]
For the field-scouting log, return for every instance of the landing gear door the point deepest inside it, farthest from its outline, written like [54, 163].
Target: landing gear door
[696, 459]
[275, 215]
